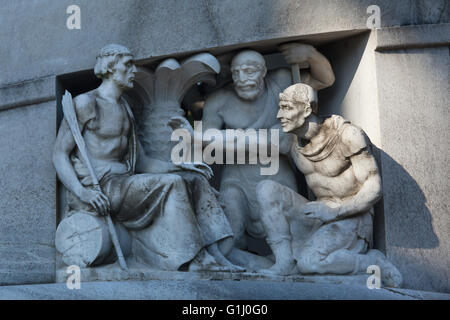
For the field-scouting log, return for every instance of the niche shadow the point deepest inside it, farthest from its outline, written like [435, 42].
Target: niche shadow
[408, 221]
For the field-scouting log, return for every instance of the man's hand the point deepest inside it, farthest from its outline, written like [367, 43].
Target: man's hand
[297, 53]
[178, 122]
[201, 168]
[96, 199]
[320, 210]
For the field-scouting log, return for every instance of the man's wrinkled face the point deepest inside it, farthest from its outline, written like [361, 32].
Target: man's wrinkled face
[124, 72]
[248, 78]
[291, 115]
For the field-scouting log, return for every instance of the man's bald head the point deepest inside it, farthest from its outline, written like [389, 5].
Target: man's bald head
[248, 57]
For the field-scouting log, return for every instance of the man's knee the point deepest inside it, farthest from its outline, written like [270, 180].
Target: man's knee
[268, 193]
[173, 180]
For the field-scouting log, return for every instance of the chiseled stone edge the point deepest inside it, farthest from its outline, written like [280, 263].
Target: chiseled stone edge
[114, 273]
[418, 36]
[26, 263]
[28, 93]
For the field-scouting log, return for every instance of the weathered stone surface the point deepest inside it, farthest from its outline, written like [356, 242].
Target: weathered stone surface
[212, 290]
[161, 27]
[28, 194]
[413, 87]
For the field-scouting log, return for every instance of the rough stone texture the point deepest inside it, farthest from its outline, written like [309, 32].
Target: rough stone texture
[413, 36]
[418, 199]
[212, 290]
[161, 27]
[413, 89]
[28, 194]
[138, 271]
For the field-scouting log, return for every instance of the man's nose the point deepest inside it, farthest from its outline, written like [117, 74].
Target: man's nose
[242, 75]
[280, 114]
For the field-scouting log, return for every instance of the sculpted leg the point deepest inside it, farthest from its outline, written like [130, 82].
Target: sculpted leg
[210, 217]
[236, 211]
[276, 202]
[343, 261]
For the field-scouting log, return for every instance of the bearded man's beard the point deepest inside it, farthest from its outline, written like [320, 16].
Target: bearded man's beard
[126, 84]
[252, 93]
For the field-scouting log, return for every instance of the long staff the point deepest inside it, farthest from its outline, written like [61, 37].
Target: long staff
[71, 118]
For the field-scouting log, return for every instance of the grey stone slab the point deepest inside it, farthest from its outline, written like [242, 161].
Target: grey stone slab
[210, 290]
[28, 194]
[413, 87]
[27, 93]
[413, 36]
[113, 272]
[161, 27]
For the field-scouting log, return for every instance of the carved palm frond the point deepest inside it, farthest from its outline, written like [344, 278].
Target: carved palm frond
[164, 90]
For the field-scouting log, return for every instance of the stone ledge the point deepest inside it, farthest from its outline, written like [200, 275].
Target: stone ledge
[421, 36]
[211, 290]
[27, 93]
[114, 273]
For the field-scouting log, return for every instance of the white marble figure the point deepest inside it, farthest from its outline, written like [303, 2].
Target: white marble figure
[333, 234]
[153, 206]
[253, 104]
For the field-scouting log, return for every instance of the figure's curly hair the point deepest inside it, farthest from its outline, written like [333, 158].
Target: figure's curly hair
[108, 57]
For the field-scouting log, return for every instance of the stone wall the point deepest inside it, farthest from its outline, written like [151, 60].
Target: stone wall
[394, 84]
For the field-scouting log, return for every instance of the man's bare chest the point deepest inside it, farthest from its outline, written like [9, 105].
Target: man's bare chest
[239, 114]
[331, 166]
[110, 121]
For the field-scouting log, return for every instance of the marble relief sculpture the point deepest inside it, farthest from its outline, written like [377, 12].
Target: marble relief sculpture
[253, 104]
[168, 217]
[155, 221]
[331, 235]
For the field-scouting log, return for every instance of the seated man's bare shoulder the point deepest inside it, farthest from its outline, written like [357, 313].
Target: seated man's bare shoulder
[218, 99]
[85, 106]
[354, 140]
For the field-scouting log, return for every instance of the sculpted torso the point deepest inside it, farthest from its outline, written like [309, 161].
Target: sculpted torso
[224, 109]
[106, 132]
[237, 113]
[332, 178]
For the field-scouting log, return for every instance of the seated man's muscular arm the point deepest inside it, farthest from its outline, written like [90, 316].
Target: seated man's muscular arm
[212, 119]
[366, 172]
[64, 146]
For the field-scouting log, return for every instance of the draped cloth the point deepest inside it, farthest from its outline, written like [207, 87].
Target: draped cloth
[155, 208]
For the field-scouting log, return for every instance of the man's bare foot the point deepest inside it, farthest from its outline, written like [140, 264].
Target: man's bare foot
[281, 268]
[222, 260]
[390, 276]
[206, 262]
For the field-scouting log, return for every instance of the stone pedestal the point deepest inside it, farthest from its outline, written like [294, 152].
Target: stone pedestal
[393, 82]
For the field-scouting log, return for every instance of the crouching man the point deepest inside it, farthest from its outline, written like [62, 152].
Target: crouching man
[333, 234]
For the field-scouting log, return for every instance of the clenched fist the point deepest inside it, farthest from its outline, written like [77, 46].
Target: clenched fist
[297, 53]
